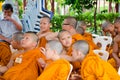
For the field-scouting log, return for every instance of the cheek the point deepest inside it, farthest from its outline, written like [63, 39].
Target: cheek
[65, 28]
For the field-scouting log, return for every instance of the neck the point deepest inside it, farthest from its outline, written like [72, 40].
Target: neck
[27, 49]
[55, 57]
[46, 31]
[73, 32]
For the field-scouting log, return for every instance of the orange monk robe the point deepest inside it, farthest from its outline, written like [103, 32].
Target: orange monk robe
[76, 37]
[27, 69]
[42, 42]
[5, 53]
[94, 68]
[76, 64]
[88, 37]
[57, 70]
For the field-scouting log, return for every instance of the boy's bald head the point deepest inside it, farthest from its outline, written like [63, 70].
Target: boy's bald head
[55, 45]
[60, 33]
[33, 36]
[46, 17]
[81, 45]
[117, 20]
[105, 24]
[18, 36]
[71, 21]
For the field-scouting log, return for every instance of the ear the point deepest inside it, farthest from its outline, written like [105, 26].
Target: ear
[34, 44]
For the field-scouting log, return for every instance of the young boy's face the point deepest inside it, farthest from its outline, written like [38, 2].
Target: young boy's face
[66, 26]
[75, 54]
[14, 43]
[27, 41]
[44, 24]
[109, 28]
[66, 39]
[117, 27]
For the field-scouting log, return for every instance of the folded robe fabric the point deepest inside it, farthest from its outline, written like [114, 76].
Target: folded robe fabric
[5, 53]
[57, 70]
[27, 69]
[94, 68]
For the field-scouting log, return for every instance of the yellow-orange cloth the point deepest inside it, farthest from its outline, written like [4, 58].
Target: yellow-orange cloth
[88, 37]
[94, 68]
[5, 53]
[42, 42]
[27, 69]
[57, 70]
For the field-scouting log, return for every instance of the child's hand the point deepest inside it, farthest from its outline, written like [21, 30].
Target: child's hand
[42, 49]
[3, 69]
[42, 62]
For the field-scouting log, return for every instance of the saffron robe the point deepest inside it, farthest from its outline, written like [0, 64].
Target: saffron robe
[76, 37]
[88, 37]
[57, 70]
[94, 68]
[5, 53]
[42, 42]
[28, 68]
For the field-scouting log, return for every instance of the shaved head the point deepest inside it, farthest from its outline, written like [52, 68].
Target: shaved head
[33, 36]
[62, 31]
[72, 21]
[55, 45]
[105, 24]
[18, 36]
[117, 20]
[81, 45]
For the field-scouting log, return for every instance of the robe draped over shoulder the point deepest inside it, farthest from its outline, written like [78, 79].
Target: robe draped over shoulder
[57, 70]
[94, 68]
[5, 53]
[42, 42]
[88, 37]
[76, 37]
[27, 69]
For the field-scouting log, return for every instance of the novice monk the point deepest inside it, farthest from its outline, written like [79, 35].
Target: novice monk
[59, 68]
[93, 68]
[81, 28]
[16, 42]
[25, 65]
[66, 39]
[69, 24]
[108, 29]
[116, 46]
[45, 32]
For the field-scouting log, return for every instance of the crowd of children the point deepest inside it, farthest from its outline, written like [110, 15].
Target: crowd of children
[48, 55]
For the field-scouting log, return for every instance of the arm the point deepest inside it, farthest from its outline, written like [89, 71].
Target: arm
[18, 25]
[48, 35]
[116, 50]
[3, 69]
[4, 38]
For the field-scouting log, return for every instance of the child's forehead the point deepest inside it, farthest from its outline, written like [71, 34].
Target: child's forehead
[66, 33]
[27, 35]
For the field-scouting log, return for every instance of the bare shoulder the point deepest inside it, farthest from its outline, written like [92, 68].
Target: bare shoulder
[117, 38]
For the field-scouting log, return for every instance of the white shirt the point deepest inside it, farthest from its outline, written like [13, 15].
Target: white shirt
[7, 28]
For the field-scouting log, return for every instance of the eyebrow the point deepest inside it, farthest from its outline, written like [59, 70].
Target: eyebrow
[65, 24]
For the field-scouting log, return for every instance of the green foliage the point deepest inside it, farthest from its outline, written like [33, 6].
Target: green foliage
[117, 1]
[88, 18]
[57, 22]
[78, 5]
[2, 0]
